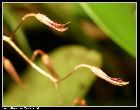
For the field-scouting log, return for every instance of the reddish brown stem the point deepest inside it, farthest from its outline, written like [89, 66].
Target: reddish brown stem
[46, 60]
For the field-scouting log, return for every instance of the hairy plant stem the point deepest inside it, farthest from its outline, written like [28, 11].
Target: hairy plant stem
[59, 27]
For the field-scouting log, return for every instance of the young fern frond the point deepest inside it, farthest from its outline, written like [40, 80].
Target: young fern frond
[59, 27]
[98, 72]
[45, 20]
[53, 77]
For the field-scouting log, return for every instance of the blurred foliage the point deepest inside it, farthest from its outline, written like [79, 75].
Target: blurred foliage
[105, 25]
[41, 92]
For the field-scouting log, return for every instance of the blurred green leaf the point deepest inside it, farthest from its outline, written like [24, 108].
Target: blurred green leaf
[117, 20]
[42, 91]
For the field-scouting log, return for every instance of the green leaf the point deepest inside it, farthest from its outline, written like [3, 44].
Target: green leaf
[117, 20]
[41, 91]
